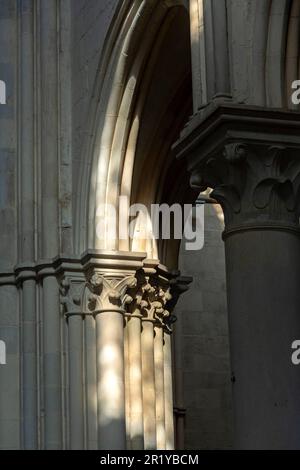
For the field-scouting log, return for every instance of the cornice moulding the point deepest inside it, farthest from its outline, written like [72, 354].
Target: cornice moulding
[207, 130]
[250, 157]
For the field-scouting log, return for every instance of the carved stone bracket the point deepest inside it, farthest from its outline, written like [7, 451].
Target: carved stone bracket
[250, 157]
[178, 286]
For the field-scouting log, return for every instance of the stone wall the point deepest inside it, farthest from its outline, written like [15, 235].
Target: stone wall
[8, 135]
[9, 317]
[202, 332]
[91, 21]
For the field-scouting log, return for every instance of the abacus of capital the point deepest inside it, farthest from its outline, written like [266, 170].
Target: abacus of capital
[250, 157]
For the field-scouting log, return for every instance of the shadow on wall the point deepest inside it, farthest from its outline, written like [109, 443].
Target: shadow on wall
[109, 431]
[202, 367]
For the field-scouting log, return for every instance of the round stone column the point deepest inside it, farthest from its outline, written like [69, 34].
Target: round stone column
[250, 157]
[148, 377]
[72, 285]
[111, 388]
[168, 391]
[110, 298]
[159, 386]
[262, 246]
[135, 380]
[52, 375]
[263, 272]
[156, 358]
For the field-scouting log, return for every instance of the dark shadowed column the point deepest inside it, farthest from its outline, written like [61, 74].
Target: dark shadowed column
[251, 159]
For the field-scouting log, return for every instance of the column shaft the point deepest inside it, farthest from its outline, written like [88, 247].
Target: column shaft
[91, 382]
[27, 221]
[263, 272]
[159, 388]
[52, 365]
[168, 386]
[29, 340]
[111, 387]
[178, 384]
[148, 385]
[75, 338]
[135, 383]
[127, 386]
[249, 156]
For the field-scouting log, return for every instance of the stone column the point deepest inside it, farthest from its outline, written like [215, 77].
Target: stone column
[250, 157]
[168, 389]
[148, 362]
[111, 298]
[72, 291]
[135, 399]
[90, 382]
[159, 387]
[111, 277]
[26, 278]
[52, 379]
[27, 224]
[95, 292]
[178, 286]
[112, 382]
[162, 296]
[149, 406]
[156, 359]
[126, 379]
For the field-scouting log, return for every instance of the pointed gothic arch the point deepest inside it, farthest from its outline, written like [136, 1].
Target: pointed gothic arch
[122, 117]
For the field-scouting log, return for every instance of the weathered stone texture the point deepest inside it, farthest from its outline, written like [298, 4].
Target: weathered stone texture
[91, 21]
[202, 326]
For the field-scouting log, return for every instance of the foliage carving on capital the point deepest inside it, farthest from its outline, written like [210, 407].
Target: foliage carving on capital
[149, 297]
[79, 296]
[137, 294]
[72, 296]
[235, 152]
[253, 182]
[156, 297]
[110, 292]
[150, 300]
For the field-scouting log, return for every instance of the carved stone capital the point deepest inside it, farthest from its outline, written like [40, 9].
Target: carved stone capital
[109, 293]
[148, 292]
[159, 295]
[156, 297]
[250, 157]
[72, 294]
[254, 183]
[99, 281]
[138, 295]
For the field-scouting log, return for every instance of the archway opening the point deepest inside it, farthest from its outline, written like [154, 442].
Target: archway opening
[158, 178]
[144, 101]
